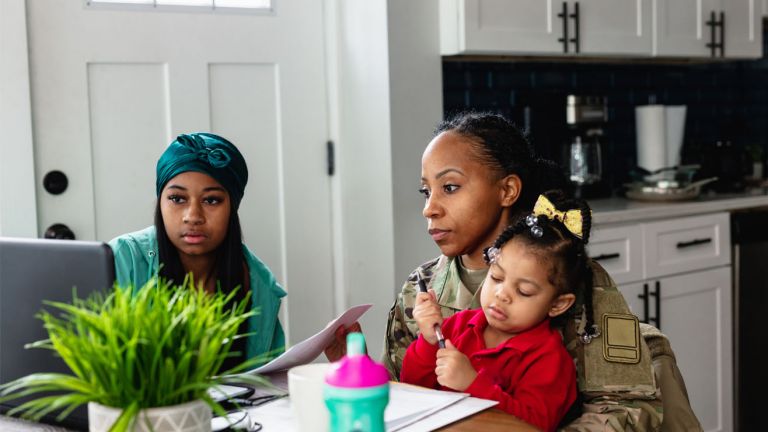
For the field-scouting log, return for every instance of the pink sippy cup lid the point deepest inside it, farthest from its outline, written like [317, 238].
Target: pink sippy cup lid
[356, 369]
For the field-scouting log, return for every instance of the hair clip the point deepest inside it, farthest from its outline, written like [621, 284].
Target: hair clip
[533, 221]
[492, 254]
[589, 334]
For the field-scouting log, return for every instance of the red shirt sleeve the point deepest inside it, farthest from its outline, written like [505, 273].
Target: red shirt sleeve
[419, 364]
[544, 392]
[419, 361]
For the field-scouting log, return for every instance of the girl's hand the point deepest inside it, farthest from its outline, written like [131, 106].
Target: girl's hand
[427, 313]
[338, 348]
[453, 368]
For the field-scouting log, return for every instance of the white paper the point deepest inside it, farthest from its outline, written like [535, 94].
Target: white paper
[408, 404]
[461, 409]
[308, 349]
[410, 409]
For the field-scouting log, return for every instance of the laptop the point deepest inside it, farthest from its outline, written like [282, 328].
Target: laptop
[34, 270]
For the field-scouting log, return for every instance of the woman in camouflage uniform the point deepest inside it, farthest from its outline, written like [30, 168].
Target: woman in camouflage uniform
[477, 174]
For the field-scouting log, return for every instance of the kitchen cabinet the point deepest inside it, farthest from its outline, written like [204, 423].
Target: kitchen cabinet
[590, 27]
[708, 28]
[676, 275]
[637, 28]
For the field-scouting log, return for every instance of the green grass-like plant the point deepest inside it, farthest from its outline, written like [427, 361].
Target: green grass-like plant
[160, 346]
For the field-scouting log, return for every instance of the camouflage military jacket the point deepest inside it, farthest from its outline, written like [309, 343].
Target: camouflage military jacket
[617, 397]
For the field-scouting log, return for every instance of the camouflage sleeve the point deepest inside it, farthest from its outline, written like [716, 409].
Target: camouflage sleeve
[401, 330]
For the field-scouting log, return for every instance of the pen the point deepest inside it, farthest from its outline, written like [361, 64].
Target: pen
[438, 332]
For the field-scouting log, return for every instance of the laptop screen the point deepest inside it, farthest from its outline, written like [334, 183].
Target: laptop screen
[34, 270]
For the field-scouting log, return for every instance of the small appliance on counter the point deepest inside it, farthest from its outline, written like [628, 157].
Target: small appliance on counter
[586, 117]
[726, 161]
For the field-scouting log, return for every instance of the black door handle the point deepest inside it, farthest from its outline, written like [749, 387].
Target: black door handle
[60, 232]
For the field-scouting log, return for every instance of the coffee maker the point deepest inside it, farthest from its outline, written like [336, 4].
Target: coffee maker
[586, 117]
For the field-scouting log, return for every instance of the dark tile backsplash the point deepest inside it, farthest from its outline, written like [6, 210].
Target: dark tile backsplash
[727, 101]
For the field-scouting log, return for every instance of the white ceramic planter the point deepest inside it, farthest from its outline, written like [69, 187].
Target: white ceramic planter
[192, 416]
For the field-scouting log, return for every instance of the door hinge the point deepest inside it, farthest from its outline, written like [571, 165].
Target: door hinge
[331, 158]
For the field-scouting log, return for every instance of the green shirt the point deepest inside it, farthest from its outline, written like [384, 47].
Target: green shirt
[136, 262]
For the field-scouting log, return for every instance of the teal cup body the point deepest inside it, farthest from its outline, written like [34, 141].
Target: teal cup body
[356, 409]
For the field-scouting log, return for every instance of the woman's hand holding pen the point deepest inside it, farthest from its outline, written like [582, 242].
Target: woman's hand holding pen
[453, 368]
[427, 313]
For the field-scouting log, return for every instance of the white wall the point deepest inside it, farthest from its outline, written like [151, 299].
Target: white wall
[359, 89]
[18, 211]
[385, 90]
[416, 98]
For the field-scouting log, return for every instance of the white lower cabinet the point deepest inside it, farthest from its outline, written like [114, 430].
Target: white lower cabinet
[694, 311]
[676, 275]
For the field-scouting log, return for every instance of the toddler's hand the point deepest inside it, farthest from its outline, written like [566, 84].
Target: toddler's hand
[453, 368]
[427, 313]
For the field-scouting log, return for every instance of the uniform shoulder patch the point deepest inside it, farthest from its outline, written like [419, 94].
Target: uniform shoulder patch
[621, 340]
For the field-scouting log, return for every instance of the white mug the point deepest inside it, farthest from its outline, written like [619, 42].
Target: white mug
[305, 388]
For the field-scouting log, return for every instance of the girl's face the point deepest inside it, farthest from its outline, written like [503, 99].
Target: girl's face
[517, 294]
[195, 210]
[466, 206]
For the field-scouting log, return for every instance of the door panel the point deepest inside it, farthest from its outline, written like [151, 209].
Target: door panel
[118, 92]
[111, 88]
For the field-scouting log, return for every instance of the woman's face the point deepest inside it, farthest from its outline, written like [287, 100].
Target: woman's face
[517, 293]
[195, 210]
[466, 206]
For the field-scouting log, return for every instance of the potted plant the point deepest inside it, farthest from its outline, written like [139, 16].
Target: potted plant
[141, 360]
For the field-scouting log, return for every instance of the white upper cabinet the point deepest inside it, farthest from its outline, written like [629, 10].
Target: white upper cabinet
[614, 27]
[708, 28]
[636, 28]
[500, 27]
[603, 27]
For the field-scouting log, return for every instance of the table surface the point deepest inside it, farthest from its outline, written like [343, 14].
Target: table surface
[490, 420]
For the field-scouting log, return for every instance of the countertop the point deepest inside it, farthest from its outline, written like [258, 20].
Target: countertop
[618, 210]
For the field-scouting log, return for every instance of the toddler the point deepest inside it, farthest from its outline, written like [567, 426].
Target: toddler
[509, 350]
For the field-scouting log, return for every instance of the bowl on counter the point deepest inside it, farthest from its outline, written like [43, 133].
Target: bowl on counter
[665, 190]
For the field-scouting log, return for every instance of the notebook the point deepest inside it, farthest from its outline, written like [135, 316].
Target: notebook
[33, 270]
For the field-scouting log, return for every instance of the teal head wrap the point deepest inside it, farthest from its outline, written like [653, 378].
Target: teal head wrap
[206, 153]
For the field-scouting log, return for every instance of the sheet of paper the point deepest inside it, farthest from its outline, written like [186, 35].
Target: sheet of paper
[308, 349]
[410, 409]
[461, 409]
[408, 404]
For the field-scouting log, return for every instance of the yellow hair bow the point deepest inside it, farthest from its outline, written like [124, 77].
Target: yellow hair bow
[571, 219]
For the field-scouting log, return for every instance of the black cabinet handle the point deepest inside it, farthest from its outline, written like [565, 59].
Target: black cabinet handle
[564, 16]
[576, 33]
[711, 23]
[715, 24]
[644, 297]
[695, 242]
[606, 256]
[657, 300]
[722, 34]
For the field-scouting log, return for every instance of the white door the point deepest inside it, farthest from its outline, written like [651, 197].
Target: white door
[696, 316]
[615, 27]
[112, 87]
